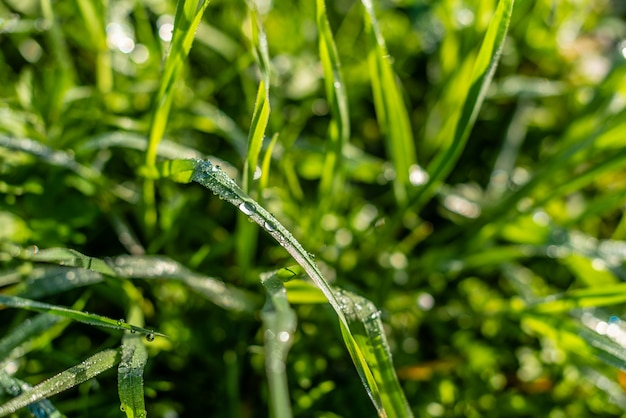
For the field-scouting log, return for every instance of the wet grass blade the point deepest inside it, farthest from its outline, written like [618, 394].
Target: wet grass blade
[87, 318]
[279, 321]
[391, 111]
[482, 73]
[134, 357]
[213, 178]
[14, 387]
[67, 379]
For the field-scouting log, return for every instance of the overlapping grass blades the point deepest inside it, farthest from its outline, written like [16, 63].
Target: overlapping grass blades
[368, 357]
[464, 117]
[339, 129]
[186, 21]
[391, 111]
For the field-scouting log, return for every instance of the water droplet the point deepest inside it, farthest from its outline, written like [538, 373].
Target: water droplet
[120, 322]
[132, 331]
[34, 249]
[283, 336]
[269, 227]
[311, 255]
[150, 337]
[122, 408]
[216, 168]
[337, 84]
[247, 208]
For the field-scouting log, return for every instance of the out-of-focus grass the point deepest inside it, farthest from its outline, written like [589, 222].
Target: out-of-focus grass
[495, 254]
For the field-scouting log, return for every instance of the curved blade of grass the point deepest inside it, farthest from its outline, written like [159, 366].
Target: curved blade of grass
[390, 108]
[339, 129]
[67, 379]
[213, 178]
[582, 298]
[155, 267]
[49, 280]
[279, 321]
[186, 21]
[148, 267]
[87, 318]
[367, 329]
[14, 387]
[484, 68]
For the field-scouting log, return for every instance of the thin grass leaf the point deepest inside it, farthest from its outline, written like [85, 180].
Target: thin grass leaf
[134, 357]
[14, 387]
[582, 298]
[391, 111]
[482, 73]
[87, 318]
[67, 379]
[49, 280]
[24, 332]
[339, 129]
[225, 188]
[265, 165]
[186, 21]
[155, 267]
[279, 321]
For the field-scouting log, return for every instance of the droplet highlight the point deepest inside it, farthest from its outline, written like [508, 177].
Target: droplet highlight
[247, 208]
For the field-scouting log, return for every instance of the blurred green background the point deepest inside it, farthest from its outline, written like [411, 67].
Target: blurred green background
[501, 293]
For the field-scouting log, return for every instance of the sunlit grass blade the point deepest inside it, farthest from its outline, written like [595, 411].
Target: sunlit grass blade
[67, 379]
[14, 387]
[482, 73]
[577, 338]
[279, 321]
[339, 129]
[87, 318]
[582, 298]
[391, 111]
[368, 332]
[186, 21]
[225, 188]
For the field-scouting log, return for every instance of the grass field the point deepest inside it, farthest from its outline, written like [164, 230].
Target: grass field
[315, 209]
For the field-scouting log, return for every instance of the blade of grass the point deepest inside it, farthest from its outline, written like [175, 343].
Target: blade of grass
[84, 317]
[279, 321]
[67, 379]
[14, 387]
[390, 108]
[339, 129]
[186, 21]
[213, 178]
[484, 68]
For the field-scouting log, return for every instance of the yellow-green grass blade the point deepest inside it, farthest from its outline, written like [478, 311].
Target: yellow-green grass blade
[463, 122]
[188, 16]
[67, 379]
[339, 129]
[84, 317]
[391, 111]
[279, 321]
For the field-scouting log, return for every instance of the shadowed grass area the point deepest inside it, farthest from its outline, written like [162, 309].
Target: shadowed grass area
[409, 208]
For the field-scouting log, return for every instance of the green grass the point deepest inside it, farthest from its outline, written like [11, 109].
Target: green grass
[409, 208]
